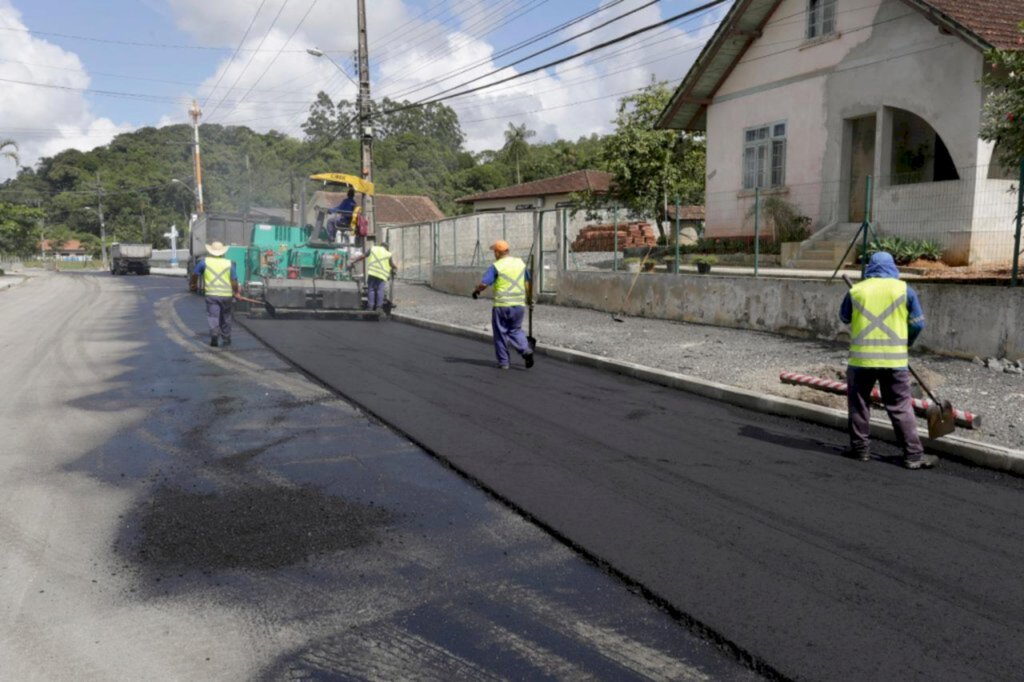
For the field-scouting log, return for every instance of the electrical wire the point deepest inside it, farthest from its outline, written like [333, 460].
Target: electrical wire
[510, 50]
[235, 53]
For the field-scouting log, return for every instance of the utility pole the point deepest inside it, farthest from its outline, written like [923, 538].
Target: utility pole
[365, 125]
[195, 113]
[103, 225]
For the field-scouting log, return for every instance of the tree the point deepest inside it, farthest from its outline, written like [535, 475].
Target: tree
[652, 168]
[9, 150]
[19, 229]
[516, 145]
[1003, 115]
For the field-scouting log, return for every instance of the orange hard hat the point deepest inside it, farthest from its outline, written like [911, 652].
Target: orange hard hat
[500, 246]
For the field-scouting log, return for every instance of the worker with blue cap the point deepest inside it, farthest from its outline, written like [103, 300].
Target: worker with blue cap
[885, 319]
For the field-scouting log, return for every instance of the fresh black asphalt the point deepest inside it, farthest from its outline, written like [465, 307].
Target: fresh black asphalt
[752, 528]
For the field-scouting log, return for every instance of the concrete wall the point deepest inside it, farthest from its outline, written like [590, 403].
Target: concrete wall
[459, 281]
[962, 320]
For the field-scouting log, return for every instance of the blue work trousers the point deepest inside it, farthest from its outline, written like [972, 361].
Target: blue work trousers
[219, 315]
[507, 324]
[376, 292]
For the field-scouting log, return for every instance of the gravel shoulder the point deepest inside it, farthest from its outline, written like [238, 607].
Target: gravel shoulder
[737, 357]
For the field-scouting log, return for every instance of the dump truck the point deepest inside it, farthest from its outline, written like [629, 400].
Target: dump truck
[125, 258]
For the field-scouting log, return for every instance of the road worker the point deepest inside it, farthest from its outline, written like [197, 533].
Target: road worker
[885, 319]
[344, 216]
[380, 267]
[511, 281]
[220, 285]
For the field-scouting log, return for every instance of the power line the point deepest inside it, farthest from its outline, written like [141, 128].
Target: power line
[235, 54]
[512, 49]
[542, 67]
[276, 57]
[251, 57]
[552, 47]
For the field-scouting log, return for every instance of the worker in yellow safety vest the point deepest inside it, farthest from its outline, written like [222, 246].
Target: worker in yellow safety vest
[885, 318]
[220, 285]
[380, 267]
[511, 281]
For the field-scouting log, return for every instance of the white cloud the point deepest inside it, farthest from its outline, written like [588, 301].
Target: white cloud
[44, 120]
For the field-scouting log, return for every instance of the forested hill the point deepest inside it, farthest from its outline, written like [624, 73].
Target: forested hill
[416, 151]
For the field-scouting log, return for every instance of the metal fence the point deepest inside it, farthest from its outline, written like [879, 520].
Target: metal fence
[970, 213]
[546, 235]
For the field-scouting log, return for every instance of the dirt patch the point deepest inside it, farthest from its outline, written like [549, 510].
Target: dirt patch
[263, 527]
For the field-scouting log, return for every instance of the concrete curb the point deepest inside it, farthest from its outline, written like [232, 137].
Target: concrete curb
[172, 272]
[11, 281]
[980, 454]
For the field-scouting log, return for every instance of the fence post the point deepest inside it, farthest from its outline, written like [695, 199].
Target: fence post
[757, 228]
[1016, 236]
[455, 244]
[476, 249]
[540, 252]
[615, 238]
[675, 268]
[866, 227]
[504, 217]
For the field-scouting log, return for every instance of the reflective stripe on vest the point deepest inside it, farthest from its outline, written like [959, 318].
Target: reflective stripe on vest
[879, 326]
[510, 286]
[378, 263]
[217, 277]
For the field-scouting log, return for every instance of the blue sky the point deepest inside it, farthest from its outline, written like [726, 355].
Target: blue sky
[271, 81]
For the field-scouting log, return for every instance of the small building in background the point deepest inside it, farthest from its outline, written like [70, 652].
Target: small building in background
[71, 250]
[548, 193]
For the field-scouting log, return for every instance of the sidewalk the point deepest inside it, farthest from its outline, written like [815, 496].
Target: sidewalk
[744, 359]
[8, 281]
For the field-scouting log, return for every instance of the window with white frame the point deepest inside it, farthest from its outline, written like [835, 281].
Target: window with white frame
[821, 18]
[764, 156]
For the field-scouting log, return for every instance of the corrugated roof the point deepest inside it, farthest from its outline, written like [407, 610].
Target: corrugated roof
[579, 181]
[982, 23]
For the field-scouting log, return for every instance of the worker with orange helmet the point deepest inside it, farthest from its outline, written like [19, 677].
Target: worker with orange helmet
[511, 281]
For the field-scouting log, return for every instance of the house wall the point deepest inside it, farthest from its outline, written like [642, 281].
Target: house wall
[886, 55]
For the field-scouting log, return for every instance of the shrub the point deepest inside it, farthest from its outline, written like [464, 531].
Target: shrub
[787, 224]
[906, 251]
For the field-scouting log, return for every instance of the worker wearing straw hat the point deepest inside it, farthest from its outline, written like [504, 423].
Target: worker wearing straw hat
[220, 284]
[510, 279]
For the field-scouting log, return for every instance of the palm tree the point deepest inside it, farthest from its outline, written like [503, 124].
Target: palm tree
[516, 145]
[9, 150]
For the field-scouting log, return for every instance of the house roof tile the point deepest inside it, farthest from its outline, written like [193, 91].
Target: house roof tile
[579, 181]
[994, 21]
[395, 209]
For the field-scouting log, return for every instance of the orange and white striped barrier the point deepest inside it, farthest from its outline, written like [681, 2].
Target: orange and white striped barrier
[964, 419]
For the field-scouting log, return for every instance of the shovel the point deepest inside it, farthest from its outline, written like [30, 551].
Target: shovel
[529, 301]
[389, 302]
[940, 415]
[266, 304]
[618, 317]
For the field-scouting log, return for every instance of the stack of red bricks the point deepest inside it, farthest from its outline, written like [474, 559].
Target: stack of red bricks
[602, 237]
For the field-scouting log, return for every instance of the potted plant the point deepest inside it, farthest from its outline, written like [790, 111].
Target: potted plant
[704, 262]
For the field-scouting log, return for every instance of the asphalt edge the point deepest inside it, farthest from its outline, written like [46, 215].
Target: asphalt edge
[984, 455]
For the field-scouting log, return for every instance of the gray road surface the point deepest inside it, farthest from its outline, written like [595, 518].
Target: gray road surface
[751, 526]
[171, 511]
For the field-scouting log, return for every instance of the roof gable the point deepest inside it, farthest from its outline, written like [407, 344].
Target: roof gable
[982, 23]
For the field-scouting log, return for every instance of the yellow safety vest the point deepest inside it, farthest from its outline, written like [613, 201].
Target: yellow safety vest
[217, 277]
[878, 330]
[510, 286]
[378, 263]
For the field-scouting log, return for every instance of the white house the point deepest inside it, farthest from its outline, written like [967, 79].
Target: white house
[807, 98]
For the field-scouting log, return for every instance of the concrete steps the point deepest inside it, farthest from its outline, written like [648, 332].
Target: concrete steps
[825, 248]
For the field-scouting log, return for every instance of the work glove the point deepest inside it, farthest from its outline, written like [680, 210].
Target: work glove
[475, 294]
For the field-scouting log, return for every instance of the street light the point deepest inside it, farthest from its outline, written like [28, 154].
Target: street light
[103, 233]
[317, 52]
[184, 185]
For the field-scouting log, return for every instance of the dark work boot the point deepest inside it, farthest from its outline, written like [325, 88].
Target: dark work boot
[213, 341]
[855, 453]
[226, 341]
[529, 360]
[920, 462]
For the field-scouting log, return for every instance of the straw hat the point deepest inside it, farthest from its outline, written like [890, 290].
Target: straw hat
[216, 249]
